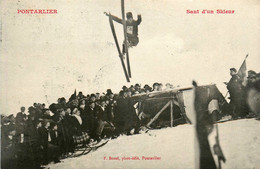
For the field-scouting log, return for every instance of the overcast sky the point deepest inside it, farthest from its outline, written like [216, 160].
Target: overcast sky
[44, 57]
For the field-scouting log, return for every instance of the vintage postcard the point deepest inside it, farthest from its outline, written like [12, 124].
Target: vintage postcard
[130, 84]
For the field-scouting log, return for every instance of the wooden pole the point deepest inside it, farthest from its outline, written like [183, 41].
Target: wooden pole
[171, 113]
[125, 37]
[158, 114]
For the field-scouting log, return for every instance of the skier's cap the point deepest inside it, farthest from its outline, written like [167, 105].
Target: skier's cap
[233, 69]
[129, 15]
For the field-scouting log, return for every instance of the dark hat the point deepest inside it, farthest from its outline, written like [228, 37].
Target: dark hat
[109, 91]
[121, 93]
[92, 95]
[129, 15]
[31, 110]
[54, 107]
[251, 72]
[137, 85]
[146, 85]
[156, 84]
[124, 87]
[233, 69]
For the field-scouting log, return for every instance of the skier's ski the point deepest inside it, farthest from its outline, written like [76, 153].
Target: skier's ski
[125, 37]
[100, 144]
[117, 46]
[84, 152]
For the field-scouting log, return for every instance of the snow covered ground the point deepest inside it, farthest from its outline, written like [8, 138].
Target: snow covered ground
[173, 148]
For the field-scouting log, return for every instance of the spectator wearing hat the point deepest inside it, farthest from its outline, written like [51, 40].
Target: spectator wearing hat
[21, 117]
[50, 151]
[8, 152]
[46, 114]
[137, 87]
[155, 87]
[90, 125]
[251, 79]
[160, 87]
[234, 87]
[45, 137]
[147, 88]
[124, 88]
[32, 140]
[75, 123]
[102, 118]
[92, 97]
[63, 131]
[168, 86]
[20, 123]
[111, 106]
[83, 108]
[80, 96]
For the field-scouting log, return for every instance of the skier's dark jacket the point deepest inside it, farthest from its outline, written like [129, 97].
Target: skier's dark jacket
[131, 27]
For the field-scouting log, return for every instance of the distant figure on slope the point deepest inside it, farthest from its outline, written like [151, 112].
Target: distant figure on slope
[131, 28]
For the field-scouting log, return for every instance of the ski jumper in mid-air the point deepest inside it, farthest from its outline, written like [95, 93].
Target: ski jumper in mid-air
[131, 28]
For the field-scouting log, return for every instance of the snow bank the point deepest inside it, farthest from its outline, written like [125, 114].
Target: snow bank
[173, 148]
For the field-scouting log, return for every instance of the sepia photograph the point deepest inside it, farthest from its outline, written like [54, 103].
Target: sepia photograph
[130, 84]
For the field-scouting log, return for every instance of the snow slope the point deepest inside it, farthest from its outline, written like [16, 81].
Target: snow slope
[240, 141]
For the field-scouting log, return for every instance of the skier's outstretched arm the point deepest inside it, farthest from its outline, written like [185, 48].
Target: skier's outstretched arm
[114, 18]
[139, 20]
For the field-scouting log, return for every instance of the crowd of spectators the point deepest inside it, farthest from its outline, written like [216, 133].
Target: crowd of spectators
[50, 133]
[47, 134]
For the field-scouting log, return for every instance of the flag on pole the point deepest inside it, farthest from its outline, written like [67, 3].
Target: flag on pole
[73, 96]
[242, 73]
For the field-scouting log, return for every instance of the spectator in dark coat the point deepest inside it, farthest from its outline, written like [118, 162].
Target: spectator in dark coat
[8, 160]
[54, 134]
[91, 119]
[32, 141]
[103, 120]
[21, 118]
[234, 87]
[50, 151]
